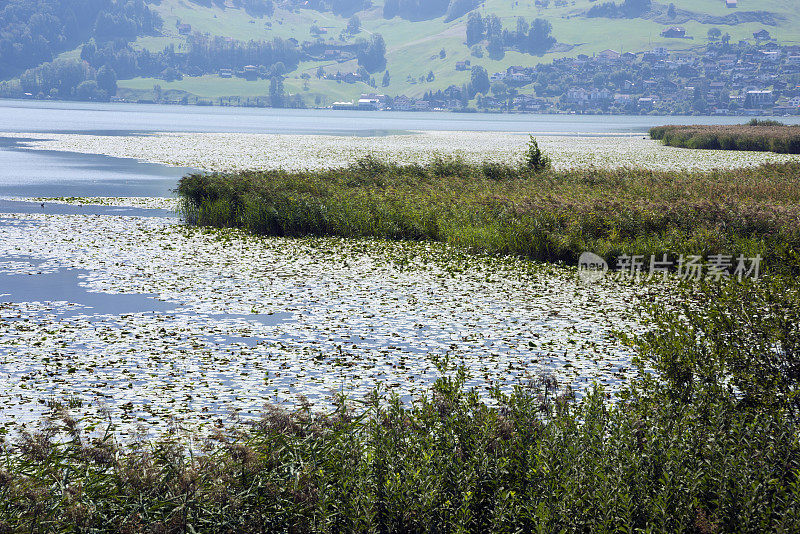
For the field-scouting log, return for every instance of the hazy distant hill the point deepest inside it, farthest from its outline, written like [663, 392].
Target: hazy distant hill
[258, 48]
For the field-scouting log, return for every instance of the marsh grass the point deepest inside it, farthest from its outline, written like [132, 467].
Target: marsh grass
[762, 136]
[511, 209]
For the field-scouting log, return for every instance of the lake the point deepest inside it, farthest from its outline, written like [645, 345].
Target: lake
[43, 116]
[52, 173]
[92, 298]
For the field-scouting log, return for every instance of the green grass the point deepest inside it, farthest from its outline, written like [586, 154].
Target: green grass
[212, 86]
[500, 209]
[767, 136]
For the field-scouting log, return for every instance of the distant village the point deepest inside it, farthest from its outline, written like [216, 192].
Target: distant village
[722, 78]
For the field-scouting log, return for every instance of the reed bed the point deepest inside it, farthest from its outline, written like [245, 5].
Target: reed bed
[759, 136]
[685, 453]
[508, 209]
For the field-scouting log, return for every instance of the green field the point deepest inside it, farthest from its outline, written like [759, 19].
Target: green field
[413, 47]
[214, 87]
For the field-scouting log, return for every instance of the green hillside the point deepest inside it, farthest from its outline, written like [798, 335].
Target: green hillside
[413, 48]
[420, 55]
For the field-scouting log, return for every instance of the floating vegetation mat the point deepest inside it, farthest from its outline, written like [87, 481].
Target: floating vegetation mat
[236, 151]
[216, 323]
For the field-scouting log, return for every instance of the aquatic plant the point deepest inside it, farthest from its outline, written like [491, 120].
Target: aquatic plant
[505, 209]
[666, 458]
[763, 136]
[239, 151]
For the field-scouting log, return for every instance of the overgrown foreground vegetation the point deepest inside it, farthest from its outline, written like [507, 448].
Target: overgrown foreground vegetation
[523, 209]
[763, 136]
[712, 446]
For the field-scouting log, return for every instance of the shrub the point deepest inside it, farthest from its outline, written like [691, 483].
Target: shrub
[535, 160]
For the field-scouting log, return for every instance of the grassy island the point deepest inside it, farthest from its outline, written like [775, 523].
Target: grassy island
[758, 135]
[541, 214]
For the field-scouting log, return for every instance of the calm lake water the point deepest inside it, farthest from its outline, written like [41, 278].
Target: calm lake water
[40, 173]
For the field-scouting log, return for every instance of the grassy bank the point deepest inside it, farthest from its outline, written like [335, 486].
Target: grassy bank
[686, 453]
[508, 209]
[762, 136]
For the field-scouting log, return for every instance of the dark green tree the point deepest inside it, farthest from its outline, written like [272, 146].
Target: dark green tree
[277, 95]
[479, 81]
[475, 28]
[107, 80]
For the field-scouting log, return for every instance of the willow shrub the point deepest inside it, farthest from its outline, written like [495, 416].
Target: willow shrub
[541, 214]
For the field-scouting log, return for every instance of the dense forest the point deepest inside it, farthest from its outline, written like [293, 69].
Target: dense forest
[33, 32]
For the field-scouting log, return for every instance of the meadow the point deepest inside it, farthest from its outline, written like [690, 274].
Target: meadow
[760, 136]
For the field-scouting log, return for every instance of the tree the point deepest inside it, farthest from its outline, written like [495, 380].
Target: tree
[320, 72]
[522, 26]
[499, 89]
[88, 90]
[354, 25]
[714, 34]
[88, 51]
[494, 28]
[475, 28]
[391, 8]
[495, 47]
[535, 160]
[431, 76]
[479, 80]
[373, 54]
[671, 13]
[386, 79]
[107, 80]
[442, 53]
[539, 38]
[634, 8]
[277, 95]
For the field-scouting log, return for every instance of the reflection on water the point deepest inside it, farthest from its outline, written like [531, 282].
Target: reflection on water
[39, 173]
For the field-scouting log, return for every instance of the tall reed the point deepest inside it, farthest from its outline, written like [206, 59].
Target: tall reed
[762, 136]
[547, 215]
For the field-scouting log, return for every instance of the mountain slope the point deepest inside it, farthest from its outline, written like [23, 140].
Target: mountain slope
[421, 55]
